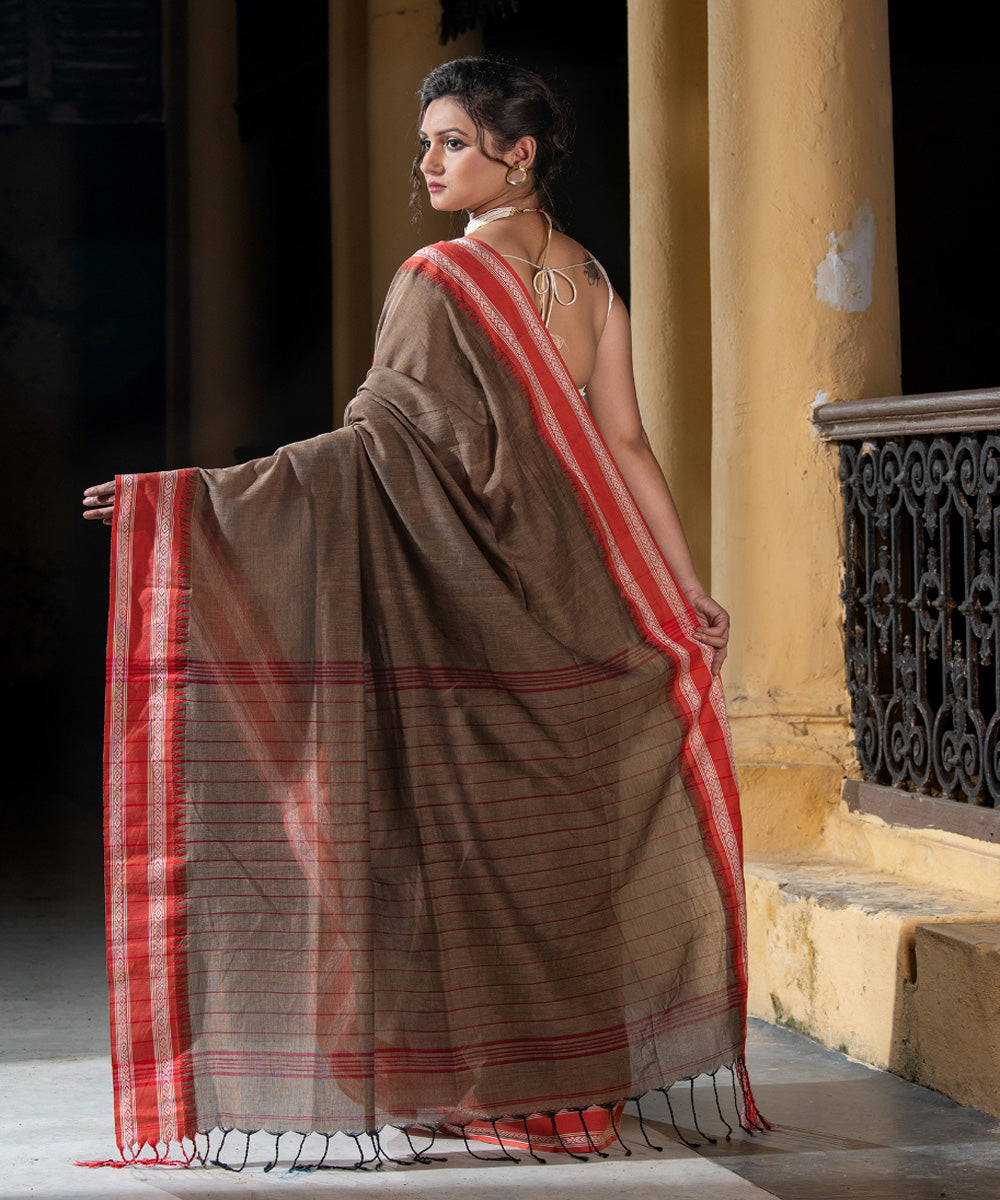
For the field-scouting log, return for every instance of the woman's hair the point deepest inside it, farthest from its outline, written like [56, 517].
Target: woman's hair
[506, 102]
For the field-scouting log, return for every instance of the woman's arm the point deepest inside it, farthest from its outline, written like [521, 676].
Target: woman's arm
[612, 399]
[99, 502]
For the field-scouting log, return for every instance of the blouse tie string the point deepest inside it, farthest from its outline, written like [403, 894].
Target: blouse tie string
[547, 282]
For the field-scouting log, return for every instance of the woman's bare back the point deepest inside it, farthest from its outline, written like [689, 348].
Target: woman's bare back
[575, 296]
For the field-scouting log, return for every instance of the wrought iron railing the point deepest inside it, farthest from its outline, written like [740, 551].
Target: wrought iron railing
[920, 477]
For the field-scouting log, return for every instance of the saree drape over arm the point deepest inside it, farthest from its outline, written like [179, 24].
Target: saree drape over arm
[420, 802]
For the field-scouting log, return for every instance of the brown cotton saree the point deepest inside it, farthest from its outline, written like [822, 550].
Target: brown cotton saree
[420, 803]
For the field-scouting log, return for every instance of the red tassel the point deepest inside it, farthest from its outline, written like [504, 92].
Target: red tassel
[136, 1162]
[158, 1159]
[751, 1114]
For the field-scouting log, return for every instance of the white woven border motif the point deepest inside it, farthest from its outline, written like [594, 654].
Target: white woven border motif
[158, 812]
[117, 849]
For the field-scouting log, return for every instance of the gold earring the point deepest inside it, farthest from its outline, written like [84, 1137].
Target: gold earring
[512, 171]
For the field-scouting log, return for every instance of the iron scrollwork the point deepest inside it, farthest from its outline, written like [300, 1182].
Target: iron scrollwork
[922, 597]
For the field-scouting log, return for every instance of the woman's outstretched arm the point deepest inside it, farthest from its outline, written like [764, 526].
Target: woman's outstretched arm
[612, 399]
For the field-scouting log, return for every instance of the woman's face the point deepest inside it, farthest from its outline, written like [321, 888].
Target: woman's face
[457, 172]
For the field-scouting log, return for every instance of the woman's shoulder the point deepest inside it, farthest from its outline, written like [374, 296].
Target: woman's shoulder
[565, 254]
[432, 258]
[431, 250]
[567, 249]
[529, 240]
[568, 254]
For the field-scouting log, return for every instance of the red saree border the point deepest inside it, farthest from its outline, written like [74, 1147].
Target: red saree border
[144, 863]
[494, 298]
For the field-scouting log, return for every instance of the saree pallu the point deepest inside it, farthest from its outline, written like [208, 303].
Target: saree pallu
[420, 805]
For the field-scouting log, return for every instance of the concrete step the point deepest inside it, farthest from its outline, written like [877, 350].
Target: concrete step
[953, 1013]
[878, 967]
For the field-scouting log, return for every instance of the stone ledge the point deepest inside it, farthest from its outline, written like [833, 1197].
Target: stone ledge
[952, 1014]
[918, 811]
[896, 416]
[841, 884]
[833, 951]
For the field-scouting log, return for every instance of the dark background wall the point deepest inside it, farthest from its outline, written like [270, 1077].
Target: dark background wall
[946, 113]
[283, 122]
[586, 61]
[81, 379]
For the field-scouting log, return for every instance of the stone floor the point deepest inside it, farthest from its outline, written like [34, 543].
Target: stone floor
[843, 1130]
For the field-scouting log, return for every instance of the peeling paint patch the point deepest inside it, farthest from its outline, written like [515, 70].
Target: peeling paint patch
[844, 277]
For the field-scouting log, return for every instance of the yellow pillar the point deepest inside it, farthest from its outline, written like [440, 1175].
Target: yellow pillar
[671, 311]
[403, 46]
[804, 307]
[222, 374]
[350, 242]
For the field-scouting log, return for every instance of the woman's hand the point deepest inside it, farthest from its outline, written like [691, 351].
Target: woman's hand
[714, 631]
[99, 502]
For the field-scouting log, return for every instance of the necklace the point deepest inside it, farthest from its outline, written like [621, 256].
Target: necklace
[498, 214]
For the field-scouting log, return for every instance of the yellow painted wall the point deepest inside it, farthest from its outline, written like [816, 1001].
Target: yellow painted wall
[350, 212]
[670, 303]
[403, 46]
[379, 54]
[211, 301]
[801, 149]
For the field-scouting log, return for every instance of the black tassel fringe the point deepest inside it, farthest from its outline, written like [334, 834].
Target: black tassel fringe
[372, 1155]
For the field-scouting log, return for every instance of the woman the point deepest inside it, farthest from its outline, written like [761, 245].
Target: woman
[421, 810]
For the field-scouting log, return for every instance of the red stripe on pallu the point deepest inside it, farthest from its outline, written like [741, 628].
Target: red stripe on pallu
[487, 1053]
[612, 860]
[590, 755]
[495, 299]
[400, 705]
[473, 1005]
[394, 679]
[144, 873]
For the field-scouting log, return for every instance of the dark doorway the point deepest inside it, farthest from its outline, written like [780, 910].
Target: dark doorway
[283, 108]
[586, 61]
[946, 111]
[81, 372]
[83, 354]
